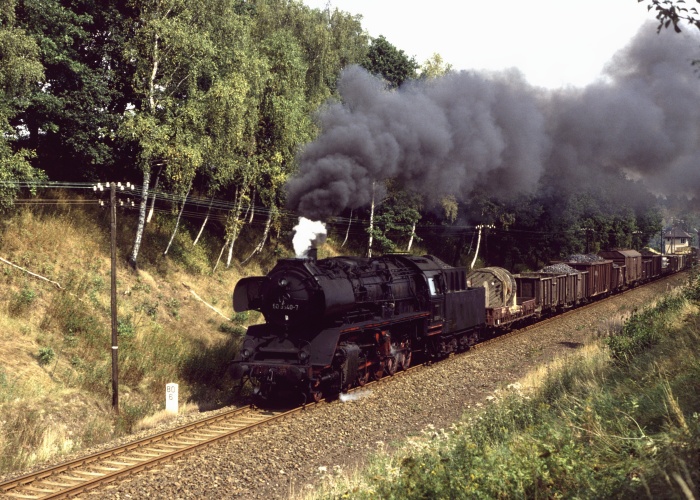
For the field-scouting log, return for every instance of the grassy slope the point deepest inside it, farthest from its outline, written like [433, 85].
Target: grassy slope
[55, 345]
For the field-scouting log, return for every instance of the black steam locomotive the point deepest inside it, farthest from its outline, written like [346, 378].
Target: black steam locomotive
[336, 323]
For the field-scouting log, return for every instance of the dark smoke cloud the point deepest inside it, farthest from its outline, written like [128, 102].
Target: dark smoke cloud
[494, 132]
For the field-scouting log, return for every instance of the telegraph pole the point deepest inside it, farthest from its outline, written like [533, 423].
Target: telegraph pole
[113, 187]
[115, 348]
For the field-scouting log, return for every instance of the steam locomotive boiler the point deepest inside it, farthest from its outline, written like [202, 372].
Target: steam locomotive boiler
[335, 323]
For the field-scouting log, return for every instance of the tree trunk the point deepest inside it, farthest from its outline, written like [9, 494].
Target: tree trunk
[153, 199]
[220, 254]
[371, 225]
[236, 227]
[204, 223]
[177, 222]
[147, 167]
[261, 245]
[476, 252]
[347, 232]
[252, 207]
[142, 218]
[229, 257]
[410, 241]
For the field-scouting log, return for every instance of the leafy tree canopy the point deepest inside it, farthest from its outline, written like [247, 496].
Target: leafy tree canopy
[389, 62]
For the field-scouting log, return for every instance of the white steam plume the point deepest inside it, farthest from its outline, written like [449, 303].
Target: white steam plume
[344, 398]
[308, 234]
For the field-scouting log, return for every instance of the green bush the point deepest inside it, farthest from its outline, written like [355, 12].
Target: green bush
[231, 329]
[129, 415]
[209, 365]
[125, 328]
[21, 301]
[644, 330]
[46, 355]
[241, 317]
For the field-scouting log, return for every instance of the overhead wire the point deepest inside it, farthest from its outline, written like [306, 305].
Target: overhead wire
[201, 207]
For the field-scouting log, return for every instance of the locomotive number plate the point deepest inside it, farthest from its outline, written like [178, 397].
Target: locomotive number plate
[286, 307]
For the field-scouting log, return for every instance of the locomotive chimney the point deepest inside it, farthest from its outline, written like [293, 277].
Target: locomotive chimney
[312, 254]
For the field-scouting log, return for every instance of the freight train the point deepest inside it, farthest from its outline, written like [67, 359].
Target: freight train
[337, 323]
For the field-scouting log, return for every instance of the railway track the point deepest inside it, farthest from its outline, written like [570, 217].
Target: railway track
[86, 473]
[81, 475]
[93, 471]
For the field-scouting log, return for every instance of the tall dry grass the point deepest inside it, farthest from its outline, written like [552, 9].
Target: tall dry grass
[55, 344]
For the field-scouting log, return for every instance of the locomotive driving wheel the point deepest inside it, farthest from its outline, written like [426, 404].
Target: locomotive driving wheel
[378, 370]
[315, 393]
[406, 360]
[390, 365]
[363, 377]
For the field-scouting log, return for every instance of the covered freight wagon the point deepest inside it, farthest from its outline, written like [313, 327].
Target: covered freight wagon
[632, 262]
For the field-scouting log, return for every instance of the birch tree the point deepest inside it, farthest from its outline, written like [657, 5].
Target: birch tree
[172, 56]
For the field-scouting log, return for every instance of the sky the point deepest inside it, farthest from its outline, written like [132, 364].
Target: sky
[554, 43]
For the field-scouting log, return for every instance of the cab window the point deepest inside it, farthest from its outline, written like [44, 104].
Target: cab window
[431, 285]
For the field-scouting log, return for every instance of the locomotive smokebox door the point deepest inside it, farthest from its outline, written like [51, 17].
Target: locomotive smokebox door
[246, 295]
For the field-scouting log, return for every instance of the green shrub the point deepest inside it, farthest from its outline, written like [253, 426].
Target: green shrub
[129, 415]
[241, 317]
[125, 328]
[21, 301]
[46, 355]
[209, 365]
[231, 329]
[644, 330]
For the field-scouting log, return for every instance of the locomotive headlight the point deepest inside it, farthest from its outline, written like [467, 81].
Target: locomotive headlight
[282, 282]
[303, 356]
[245, 353]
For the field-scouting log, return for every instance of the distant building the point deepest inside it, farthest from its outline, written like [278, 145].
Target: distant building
[677, 241]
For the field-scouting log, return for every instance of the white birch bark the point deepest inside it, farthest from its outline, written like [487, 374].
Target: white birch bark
[410, 241]
[177, 222]
[236, 229]
[261, 245]
[220, 254]
[142, 219]
[153, 199]
[204, 222]
[476, 253]
[347, 231]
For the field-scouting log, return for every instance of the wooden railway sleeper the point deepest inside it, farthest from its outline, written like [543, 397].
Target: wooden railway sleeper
[105, 468]
[120, 464]
[142, 457]
[60, 485]
[184, 443]
[37, 489]
[169, 447]
[21, 495]
[90, 473]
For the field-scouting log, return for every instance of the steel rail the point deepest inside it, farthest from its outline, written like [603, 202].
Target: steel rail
[85, 473]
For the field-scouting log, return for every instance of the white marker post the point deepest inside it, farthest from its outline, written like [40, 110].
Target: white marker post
[171, 398]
